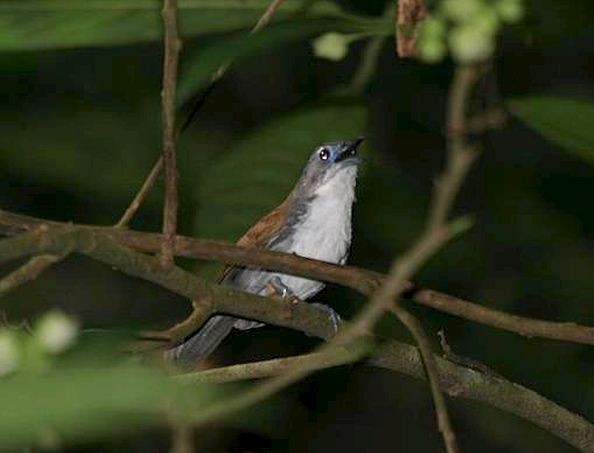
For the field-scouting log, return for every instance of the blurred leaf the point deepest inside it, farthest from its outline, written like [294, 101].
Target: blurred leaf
[46, 24]
[73, 403]
[199, 66]
[567, 122]
[548, 21]
[260, 170]
[99, 153]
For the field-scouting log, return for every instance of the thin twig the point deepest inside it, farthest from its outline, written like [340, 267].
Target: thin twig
[220, 72]
[215, 78]
[182, 437]
[410, 14]
[460, 158]
[28, 271]
[265, 18]
[141, 195]
[362, 280]
[367, 66]
[273, 367]
[172, 47]
[443, 419]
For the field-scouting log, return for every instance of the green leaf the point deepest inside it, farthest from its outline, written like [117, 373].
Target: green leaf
[566, 122]
[260, 170]
[61, 148]
[74, 403]
[47, 24]
[200, 65]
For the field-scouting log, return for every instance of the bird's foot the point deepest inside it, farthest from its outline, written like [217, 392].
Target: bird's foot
[334, 317]
[276, 288]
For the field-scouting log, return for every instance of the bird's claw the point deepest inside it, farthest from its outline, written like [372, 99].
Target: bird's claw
[334, 317]
[276, 288]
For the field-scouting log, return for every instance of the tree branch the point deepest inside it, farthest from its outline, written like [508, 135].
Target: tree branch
[27, 272]
[172, 45]
[265, 18]
[142, 194]
[358, 279]
[456, 380]
[212, 298]
[150, 180]
[410, 14]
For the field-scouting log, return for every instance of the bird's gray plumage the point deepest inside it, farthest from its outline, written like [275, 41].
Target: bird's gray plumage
[316, 224]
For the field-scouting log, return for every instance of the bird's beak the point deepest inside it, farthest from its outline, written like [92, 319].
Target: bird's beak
[350, 150]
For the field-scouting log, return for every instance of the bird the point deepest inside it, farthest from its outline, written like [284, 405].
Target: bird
[313, 221]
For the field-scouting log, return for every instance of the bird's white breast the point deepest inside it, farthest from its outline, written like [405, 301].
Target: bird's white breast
[325, 231]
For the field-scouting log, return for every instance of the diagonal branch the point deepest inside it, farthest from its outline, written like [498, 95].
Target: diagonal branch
[456, 380]
[142, 194]
[150, 180]
[220, 72]
[28, 271]
[358, 279]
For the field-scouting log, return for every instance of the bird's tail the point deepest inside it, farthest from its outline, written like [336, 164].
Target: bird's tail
[203, 342]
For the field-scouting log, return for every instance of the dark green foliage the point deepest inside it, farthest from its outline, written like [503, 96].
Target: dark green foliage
[80, 128]
[567, 122]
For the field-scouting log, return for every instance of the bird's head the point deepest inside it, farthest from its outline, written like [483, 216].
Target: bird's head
[330, 163]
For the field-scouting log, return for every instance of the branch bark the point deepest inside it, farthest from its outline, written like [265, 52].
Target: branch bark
[139, 198]
[358, 279]
[172, 47]
[27, 272]
[456, 380]
[410, 15]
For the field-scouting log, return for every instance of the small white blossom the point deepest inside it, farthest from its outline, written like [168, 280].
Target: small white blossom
[331, 46]
[56, 332]
[9, 354]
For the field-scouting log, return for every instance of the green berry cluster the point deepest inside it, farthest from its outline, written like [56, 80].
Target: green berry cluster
[467, 27]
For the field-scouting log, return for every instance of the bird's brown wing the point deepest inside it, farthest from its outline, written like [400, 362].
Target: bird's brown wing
[259, 234]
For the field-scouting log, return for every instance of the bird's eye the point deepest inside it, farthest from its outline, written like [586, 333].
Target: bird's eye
[324, 154]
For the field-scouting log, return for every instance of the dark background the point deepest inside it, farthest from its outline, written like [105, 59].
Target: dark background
[80, 128]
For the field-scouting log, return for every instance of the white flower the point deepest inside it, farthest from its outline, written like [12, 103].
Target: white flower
[331, 46]
[56, 332]
[9, 355]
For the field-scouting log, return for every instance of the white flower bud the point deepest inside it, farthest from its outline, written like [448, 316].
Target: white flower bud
[56, 332]
[331, 46]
